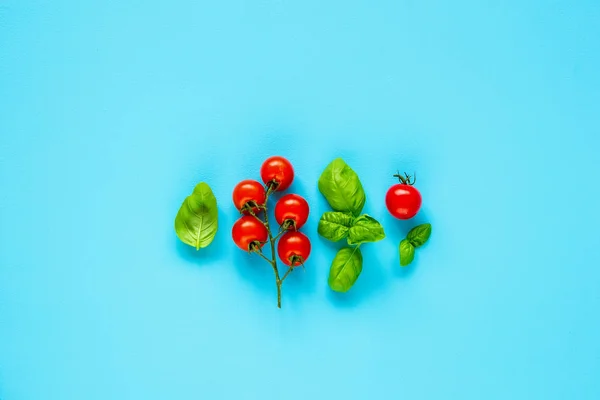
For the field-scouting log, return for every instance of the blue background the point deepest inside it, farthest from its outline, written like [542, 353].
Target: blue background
[111, 112]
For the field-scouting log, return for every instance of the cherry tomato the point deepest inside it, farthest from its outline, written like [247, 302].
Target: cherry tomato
[293, 247]
[291, 211]
[248, 191]
[249, 231]
[278, 170]
[403, 200]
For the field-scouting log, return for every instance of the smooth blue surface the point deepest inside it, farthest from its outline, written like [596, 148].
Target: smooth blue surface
[111, 112]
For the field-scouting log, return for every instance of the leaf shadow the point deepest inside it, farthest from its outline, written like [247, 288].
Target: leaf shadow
[407, 271]
[370, 283]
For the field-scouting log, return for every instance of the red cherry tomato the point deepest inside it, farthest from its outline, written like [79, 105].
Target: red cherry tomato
[293, 247]
[292, 211]
[403, 200]
[248, 191]
[249, 231]
[277, 170]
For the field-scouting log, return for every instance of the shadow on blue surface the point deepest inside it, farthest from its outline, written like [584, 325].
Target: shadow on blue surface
[190, 253]
[251, 268]
[370, 282]
[255, 270]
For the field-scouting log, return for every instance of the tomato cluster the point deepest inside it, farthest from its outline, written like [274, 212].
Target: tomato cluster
[252, 231]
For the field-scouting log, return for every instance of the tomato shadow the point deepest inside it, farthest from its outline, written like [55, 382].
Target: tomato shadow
[302, 282]
[299, 285]
[397, 229]
[256, 271]
[259, 274]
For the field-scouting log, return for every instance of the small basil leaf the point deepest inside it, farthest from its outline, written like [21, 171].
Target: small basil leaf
[342, 188]
[334, 225]
[365, 229]
[407, 252]
[345, 269]
[196, 222]
[419, 235]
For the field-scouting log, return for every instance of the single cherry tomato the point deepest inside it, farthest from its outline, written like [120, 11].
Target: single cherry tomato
[249, 231]
[403, 200]
[293, 248]
[277, 170]
[291, 211]
[248, 192]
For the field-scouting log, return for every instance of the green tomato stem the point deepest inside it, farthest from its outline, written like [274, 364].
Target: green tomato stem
[260, 253]
[272, 240]
[290, 269]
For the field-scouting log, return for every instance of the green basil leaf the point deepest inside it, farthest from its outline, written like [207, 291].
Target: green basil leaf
[345, 269]
[365, 229]
[196, 222]
[334, 225]
[407, 252]
[342, 188]
[419, 235]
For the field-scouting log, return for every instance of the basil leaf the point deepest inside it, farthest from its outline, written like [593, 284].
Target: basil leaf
[365, 229]
[407, 252]
[419, 235]
[342, 188]
[196, 222]
[345, 269]
[334, 225]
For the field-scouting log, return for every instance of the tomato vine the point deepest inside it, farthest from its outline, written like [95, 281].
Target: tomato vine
[269, 189]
